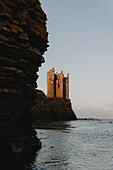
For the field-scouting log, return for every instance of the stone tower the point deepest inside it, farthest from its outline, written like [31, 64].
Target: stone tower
[57, 84]
[66, 87]
[50, 83]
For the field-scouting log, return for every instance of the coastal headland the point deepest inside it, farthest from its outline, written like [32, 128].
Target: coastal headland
[51, 108]
[56, 105]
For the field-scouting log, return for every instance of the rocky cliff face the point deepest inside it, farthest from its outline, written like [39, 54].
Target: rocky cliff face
[52, 109]
[23, 40]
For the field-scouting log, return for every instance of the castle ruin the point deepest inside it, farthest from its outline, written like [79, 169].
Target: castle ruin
[57, 84]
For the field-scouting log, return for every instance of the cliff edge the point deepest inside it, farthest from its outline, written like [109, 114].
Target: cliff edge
[23, 41]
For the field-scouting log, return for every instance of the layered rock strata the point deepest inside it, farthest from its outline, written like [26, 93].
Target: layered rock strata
[52, 109]
[23, 40]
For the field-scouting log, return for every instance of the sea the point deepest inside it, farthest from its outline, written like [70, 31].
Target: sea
[85, 144]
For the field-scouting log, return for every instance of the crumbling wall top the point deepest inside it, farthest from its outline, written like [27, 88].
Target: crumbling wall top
[57, 84]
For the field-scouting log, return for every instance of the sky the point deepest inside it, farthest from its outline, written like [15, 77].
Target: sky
[81, 44]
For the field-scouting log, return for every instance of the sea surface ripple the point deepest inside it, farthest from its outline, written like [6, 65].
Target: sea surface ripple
[71, 145]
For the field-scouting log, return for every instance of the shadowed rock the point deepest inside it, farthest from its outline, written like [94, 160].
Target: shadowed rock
[52, 109]
[23, 41]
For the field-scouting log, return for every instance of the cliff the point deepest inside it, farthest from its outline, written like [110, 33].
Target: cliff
[23, 41]
[52, 109]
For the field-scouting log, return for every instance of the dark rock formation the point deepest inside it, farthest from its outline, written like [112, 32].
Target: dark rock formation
[23, 40]
[52, 109]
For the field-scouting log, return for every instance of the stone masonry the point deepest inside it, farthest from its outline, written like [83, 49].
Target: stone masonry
[57, 84]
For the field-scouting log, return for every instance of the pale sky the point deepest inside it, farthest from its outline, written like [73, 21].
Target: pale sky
[81, 44]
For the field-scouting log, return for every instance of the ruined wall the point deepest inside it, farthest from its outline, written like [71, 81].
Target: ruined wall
[67, 87]
[23, 40]
[50, 83]
[59, 85]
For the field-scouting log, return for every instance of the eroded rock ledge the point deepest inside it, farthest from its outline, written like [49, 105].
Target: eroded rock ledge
[23, 40]
[51, 109]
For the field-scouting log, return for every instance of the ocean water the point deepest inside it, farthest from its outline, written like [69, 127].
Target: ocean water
[82, 145]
